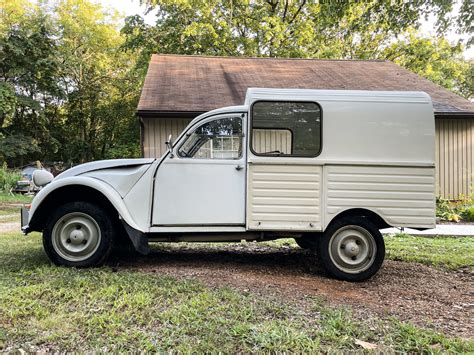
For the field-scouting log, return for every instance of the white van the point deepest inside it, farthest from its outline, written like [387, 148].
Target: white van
[326, 167]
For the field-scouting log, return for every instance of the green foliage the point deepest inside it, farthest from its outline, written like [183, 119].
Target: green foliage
[466, 20]
[446, 211]
[43, 307]
[468, 214]
[435, 59]
[343, 29]
[68, 93]
[7, 102]
[8, 178]
[455, 211]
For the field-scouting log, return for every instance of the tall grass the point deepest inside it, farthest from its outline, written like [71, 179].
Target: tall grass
[8, 178]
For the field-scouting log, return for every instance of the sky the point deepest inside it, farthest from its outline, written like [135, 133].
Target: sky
[132, 7]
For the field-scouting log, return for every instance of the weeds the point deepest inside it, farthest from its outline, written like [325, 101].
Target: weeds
[455, 211]
[8, 178]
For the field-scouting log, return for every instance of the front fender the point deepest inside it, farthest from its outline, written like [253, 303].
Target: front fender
[105, 189]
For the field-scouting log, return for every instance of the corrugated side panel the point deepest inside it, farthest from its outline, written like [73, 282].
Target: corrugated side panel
[284, 197]
[404, 197]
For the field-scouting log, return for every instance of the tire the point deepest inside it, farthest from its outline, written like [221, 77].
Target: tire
[78, 234]
[352, 249]
[309, 241]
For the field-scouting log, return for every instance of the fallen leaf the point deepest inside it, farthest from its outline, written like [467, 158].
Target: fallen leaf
[366, 345]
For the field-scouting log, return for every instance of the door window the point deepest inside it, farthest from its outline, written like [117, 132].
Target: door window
[218, 139]
[282, 128]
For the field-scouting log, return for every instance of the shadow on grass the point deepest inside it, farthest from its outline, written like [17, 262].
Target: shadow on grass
[21, 253]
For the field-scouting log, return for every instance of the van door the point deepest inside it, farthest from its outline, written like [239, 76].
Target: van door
[284, 173]
[204, 183]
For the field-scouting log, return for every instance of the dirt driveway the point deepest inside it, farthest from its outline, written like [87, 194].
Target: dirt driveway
[426, 296]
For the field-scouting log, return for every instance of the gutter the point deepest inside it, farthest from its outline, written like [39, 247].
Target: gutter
[168, 114]
[455, 115]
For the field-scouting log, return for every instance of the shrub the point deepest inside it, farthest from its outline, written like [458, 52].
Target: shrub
[468, 214]
[455, 211]
[8, 178]
[446, 211]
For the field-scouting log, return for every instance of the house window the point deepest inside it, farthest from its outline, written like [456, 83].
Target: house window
[281, 128]
[218, 139]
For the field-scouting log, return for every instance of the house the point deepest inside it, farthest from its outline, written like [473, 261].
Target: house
[179, 88]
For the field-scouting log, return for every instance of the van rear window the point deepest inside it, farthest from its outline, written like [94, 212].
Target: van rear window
[281, 128]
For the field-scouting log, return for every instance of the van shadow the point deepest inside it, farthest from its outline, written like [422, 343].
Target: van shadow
[228, 256]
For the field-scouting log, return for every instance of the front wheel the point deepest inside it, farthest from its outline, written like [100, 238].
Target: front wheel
[352, 249]
[78, 234]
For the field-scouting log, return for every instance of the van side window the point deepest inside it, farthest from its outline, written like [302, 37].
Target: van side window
[281, 128]
[218, 139]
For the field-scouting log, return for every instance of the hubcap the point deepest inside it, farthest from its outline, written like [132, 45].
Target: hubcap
[76, 236]
[352, 249]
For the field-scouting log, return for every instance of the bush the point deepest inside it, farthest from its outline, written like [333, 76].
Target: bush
[446, 211]
[455, 211]
[468, 214]
[8, 178]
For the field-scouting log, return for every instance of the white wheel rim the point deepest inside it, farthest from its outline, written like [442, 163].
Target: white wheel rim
[76, 236]
[352, 249]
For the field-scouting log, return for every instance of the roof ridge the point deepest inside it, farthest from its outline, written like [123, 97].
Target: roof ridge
[268, 58]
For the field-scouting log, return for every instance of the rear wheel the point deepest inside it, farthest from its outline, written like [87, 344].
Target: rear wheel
[352, 249]
[78, 234]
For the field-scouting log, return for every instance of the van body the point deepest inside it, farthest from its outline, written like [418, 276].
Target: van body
[327, 167]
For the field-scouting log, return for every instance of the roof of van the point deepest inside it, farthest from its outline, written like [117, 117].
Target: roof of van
[184, 86]
[254, 94]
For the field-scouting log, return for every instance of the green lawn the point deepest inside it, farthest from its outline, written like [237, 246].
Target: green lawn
[443, 252]
[14, 198]
[43, 307]
[8, 211]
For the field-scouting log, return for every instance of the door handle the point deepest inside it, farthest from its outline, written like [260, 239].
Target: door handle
[238, 167]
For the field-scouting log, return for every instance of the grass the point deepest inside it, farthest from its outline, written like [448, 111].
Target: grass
[43, 307]
[14, 198]
[443, 252]
[8, 211]
[9, 206]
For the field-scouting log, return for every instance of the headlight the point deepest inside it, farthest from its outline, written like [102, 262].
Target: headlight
[42, 177]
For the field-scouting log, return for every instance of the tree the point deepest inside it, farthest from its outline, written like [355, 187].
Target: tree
[29, 82]
[308, 29]
[338, 29]
[67, 91]
[435, 59]
[101, 90]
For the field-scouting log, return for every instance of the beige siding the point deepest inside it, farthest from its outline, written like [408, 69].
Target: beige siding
[454, 157]
[156, 132]
[268, 140]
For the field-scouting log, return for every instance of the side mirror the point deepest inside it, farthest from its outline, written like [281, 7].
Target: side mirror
[42, 177]
[169, 145]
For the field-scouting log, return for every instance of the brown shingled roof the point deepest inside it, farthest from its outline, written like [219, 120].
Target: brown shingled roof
[197, 84]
